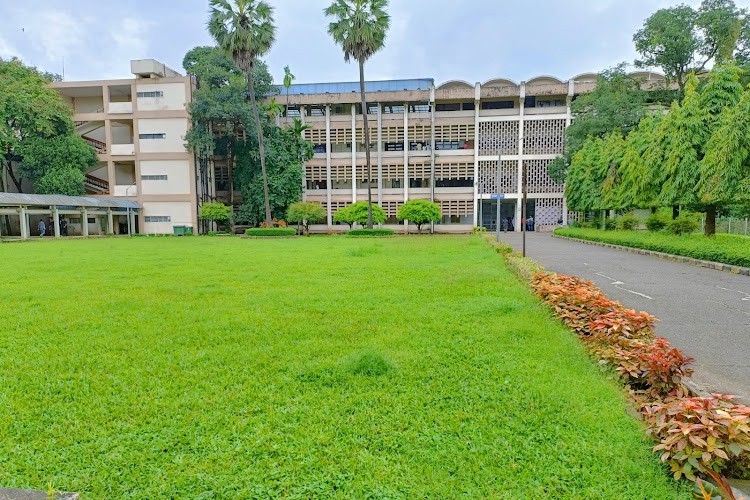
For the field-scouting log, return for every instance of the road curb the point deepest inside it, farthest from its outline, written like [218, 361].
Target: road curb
[718, 266]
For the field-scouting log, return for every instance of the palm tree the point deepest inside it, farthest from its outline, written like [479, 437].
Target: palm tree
[360, 27]
[244, 29]
[288, 79]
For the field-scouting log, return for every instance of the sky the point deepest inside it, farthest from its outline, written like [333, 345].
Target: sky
[472, 40]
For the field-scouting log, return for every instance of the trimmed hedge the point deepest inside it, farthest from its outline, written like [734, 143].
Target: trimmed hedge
[271, 231]
[371, 232]
[724, 248]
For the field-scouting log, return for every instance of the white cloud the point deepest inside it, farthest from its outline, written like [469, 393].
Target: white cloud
[57, 33]
[7, 50]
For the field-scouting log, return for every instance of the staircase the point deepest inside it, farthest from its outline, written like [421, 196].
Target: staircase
[98, 145]
[95, 185]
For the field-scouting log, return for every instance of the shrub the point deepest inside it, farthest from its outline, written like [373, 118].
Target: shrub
[628, 222]
[216, 212]
[274, 223]
[356, 213]
[419, 212]
[479, 230]
[683, 225]
[271, 231]
[370, 232]
[656, 368]
[610, 224]
[699, 434]
[523, 267]
[306, 213]
[656, 222]
[621, 324]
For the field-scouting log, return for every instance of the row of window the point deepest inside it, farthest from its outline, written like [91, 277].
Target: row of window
[157, 93]
[399, 108]
[392, 184]
[158, 218]
[397, 146]
[152, 136]
[154, 178]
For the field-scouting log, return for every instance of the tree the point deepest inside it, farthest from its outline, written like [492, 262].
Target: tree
[640, 171]
[725, 169]
[244, 29]
[305, 213]
[288, 79]
[29, 108]
[617, 104]
[586, 176]
[358, 213]
[690, 125]
[286, 153]
[220, 110]
[216, 212]
[360, 27]
[681, 40]
[419, 212]
[57, 165]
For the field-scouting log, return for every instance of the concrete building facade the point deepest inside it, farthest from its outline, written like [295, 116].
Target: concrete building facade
[463, 146]
[138, 127]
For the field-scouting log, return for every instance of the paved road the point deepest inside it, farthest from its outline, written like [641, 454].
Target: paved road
[704, 312]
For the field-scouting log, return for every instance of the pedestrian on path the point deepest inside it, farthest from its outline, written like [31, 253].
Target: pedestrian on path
[42, 228]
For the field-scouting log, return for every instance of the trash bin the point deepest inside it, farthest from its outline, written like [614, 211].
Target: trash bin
[182, 230]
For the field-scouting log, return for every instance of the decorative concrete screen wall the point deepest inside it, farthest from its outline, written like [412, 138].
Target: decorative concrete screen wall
[543, 137]
[496, 138]
[488, 177]
[548, 211]
[537, 178]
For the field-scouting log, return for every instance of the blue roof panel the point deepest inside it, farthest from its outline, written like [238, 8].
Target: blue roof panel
[345, 87]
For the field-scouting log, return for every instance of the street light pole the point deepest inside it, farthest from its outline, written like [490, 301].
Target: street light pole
[523, 206]
[497, 196]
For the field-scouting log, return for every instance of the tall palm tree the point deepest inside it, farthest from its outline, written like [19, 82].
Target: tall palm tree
[288, 79]
[244, 29]
[360, 27]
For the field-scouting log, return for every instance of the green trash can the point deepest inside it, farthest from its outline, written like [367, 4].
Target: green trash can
[179, 230]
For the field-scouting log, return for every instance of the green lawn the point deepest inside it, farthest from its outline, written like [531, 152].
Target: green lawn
[725, 248]
[308, 368]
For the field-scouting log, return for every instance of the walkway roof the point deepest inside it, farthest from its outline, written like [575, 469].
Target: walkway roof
[59, 200]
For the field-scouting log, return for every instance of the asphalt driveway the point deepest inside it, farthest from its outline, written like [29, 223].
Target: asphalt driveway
[704, 312]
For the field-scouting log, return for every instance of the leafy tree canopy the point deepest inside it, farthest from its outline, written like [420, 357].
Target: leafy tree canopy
[419, 212]
[356, 213]
[305, 213]
[216, 212]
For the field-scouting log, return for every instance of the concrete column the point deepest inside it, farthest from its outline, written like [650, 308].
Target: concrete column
[110, 222]
[132, 216]
[85, 223]
[56, 219]
[329, 187]
[477, 107]
[25, 233]
[303, 118]
[568, 121]
[354, 153]
[380, 154]
[406, 152]
[520, 156]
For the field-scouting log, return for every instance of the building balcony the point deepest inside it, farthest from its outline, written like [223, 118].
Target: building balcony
[553, 110]
[117, 108]
[122, 150]
[500, 112]
[126, 191]
[455, 114]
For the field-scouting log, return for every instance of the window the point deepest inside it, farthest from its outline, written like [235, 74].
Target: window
[153, 177]
[529, 101]
[468, 106]
[294, 112]
[158, 218]
[372, 109]
[157, 93]
[393, 109]
[316, 110]
[152, 136]
[454, 106]
[498, 105]
[550, 103]
[419, 108]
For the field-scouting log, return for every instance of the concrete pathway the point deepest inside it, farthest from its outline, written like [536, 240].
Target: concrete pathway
[704, 312]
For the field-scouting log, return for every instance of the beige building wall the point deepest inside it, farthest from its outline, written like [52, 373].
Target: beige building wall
[174, 130]
[177, 173]
[173, 97]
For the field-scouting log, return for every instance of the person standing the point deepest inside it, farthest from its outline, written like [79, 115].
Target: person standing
[51, 226]
[42, 228]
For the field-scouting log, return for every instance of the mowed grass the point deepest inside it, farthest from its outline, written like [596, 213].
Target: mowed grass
[324, 367]
[724, 248]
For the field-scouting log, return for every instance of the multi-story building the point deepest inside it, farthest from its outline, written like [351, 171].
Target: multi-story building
[138, 128]
[464, 146]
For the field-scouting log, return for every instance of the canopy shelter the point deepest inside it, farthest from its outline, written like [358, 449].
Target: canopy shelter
[25, 207]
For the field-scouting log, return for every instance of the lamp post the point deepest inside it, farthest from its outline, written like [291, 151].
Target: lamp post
[497, 197]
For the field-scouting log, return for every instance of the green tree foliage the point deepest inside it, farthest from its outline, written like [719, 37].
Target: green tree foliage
[419, 212]
[690, 125]
[288, 79]
[360, 28]
[641, 175]
[286, 153]
[305, 213]
[617, 104]
[29, 108]
[586, 176]
[56, 165]
[216, 212]
[220, 110]
[681, 40]
[244, 30]
[357, 213]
